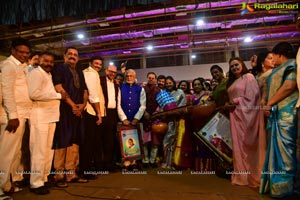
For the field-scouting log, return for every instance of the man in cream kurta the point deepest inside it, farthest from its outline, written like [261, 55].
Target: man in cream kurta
[43, 118]
[90, 149]
[17, 105]
[3, 120]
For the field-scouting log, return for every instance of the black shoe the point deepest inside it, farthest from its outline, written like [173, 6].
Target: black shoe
[153, 165]
[40, 190]
[145, 165]
[23, 183]
[49, 184]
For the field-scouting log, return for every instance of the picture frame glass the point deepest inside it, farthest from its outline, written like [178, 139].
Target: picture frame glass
[130, 144]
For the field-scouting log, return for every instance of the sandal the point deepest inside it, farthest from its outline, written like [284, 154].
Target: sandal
[61, 184]
[77, 180]
[14, 189]
[5, 197]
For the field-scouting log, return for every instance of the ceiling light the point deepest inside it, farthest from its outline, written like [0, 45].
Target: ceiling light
[248, 39]
[111, 63]
[149, 48]
[200, 22]
[193, 56]
[80, 36]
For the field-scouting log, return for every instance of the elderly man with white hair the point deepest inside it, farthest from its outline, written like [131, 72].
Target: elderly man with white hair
[133, 103]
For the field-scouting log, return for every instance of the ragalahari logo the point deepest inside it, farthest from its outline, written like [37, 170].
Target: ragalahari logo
[291, 8]
[246, 8]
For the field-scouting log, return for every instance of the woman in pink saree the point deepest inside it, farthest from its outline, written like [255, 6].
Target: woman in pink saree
[245, 115]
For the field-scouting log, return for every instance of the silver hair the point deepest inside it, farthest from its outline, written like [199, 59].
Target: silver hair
[130, 71]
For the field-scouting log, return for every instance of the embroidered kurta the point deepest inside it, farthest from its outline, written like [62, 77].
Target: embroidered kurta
[69, 127]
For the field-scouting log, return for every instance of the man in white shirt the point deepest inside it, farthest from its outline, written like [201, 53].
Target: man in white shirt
[90, 149]
[18, 106]
[110, 150]
[44, 115]
[3, 120]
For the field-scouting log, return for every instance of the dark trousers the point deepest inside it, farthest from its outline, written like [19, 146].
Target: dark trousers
[108, 138]
[90, 146]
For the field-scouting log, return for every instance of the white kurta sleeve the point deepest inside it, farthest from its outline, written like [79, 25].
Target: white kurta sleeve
[91, 80]
[37, 87]
[121, 113]
[142, 107]
[9, 74]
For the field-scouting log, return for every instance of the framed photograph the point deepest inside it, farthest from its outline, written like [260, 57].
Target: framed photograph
[216, 136]
[130, 142]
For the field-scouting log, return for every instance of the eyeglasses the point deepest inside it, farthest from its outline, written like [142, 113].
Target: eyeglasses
[234, 65]
[110, 71]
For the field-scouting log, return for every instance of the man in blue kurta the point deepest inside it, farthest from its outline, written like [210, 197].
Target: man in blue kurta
[133, 102]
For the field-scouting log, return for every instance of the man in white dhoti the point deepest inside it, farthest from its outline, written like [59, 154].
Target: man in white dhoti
[43, 118]
[17, 105]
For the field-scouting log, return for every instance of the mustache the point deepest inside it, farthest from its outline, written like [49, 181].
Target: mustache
[48, 66]
[72, 58]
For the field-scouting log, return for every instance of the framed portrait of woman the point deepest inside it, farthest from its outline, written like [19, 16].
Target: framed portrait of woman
[216, 136]
[130, 142]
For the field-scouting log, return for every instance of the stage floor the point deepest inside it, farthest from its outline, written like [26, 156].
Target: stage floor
[151, 186]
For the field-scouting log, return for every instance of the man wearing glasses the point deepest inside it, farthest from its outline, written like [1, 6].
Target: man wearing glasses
[109, 122]
[17, 105]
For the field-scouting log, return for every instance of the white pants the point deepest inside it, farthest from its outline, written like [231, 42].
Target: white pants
[41, 139]
[10, 153]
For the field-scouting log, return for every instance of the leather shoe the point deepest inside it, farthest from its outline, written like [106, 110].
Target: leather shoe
[22, 183]
[153, 165]
[40, 190]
